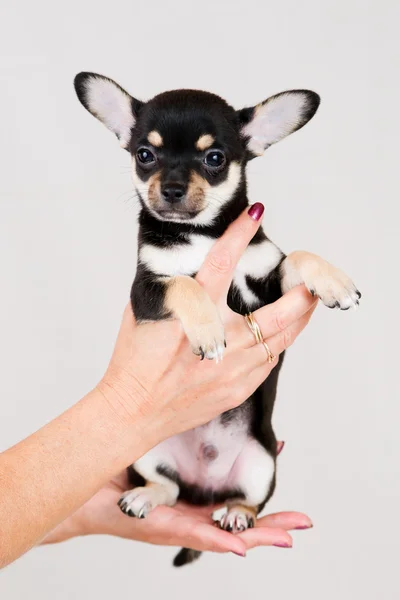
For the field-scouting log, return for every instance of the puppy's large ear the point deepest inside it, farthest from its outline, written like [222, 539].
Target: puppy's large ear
[277, 117]
[109, 103]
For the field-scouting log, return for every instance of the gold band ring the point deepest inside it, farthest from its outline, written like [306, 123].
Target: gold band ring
[255, 329]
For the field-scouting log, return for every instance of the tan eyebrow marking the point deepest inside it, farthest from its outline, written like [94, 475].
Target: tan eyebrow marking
[155, 139]
[204, 142]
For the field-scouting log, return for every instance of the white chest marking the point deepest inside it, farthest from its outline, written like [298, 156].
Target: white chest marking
[186, 259]
[182, 259]
[257, 261]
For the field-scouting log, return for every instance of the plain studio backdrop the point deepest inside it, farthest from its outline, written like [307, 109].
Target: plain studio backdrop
[68, 226]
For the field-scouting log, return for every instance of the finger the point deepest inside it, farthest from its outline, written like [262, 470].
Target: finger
[166, 526]
[285, 520]
[276, 317]
[257, 354]
[266, 536]
[193, 532]
[283, 340]
[207, 537]
[216, 273]
[254, 361]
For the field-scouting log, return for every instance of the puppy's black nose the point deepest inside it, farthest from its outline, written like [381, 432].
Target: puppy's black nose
[173, 193]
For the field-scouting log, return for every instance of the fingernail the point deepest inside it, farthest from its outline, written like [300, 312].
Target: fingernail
[242, 554]
[305, 526]
[281, 445]
[256, 211]
[282, 545]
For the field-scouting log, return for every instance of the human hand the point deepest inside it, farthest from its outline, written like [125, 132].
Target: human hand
[182, 525]
[154, 373]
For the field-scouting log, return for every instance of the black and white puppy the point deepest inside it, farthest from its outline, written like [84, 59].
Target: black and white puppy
[189, 153]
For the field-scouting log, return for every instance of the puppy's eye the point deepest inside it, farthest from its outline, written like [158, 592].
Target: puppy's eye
[145, 156]
[214, 159]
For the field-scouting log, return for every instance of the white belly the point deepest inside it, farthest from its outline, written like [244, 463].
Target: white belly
[184, 453]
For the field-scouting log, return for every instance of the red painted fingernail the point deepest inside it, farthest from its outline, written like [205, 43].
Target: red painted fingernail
[281, 445]
[242, 554]
[282, 545]
[305, 526]
[256, 211]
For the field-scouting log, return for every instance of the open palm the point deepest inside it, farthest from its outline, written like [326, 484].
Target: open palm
[181, 525]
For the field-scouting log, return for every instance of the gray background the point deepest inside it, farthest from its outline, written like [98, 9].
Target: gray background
[68, 252]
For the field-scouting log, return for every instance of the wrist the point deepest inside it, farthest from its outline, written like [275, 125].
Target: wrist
[72, 527]
[131, 408]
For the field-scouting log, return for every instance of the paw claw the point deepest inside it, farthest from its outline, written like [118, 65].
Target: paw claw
[143, 511]
[208, 339]
[136, 502]
[236, 520]
[333, 287]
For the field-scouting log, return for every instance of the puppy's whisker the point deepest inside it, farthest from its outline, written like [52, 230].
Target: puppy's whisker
[127, 196]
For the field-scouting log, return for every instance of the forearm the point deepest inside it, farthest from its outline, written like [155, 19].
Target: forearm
[47, 476]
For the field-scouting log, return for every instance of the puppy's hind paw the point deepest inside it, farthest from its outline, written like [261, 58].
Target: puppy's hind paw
[238, 519]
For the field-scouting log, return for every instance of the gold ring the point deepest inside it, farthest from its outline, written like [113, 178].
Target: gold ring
[255, 329]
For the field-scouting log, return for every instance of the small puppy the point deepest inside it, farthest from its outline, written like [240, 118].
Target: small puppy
[189, 153]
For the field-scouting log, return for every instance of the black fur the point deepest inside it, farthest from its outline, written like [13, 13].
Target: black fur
[194, 494]
[186, 556]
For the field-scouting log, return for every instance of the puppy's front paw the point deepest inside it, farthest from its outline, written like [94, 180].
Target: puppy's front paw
[137, 502]
[321, 278]
[334, 288]
[237, 519]
[189, 302]
[208, 339]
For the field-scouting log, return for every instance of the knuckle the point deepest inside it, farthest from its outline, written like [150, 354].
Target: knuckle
[244, 226]
[279, 321]
[220, 262]
[287, 338]
[268, 367]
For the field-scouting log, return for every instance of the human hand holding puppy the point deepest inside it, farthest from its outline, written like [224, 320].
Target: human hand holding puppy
[153, 371]
[173, 390]
[154, 388]
[180, 525]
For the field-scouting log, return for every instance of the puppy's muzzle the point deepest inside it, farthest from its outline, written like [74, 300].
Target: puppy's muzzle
[173, 193]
